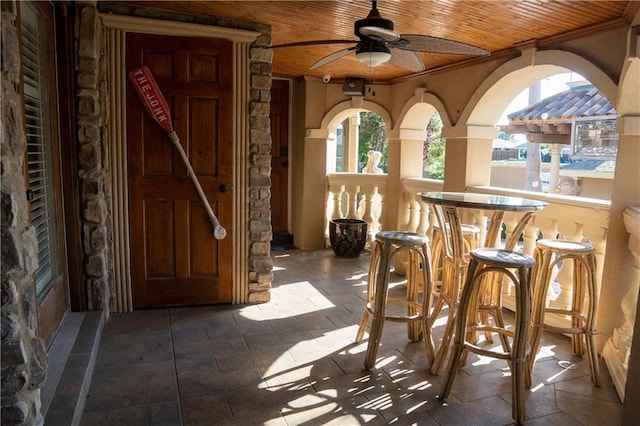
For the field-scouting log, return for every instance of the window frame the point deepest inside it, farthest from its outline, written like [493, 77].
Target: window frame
[53, 300]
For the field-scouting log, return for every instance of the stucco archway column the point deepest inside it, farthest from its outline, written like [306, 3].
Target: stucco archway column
[309, 211]
[619, 281]
[351, 136]
[405, 160]
[468, 156]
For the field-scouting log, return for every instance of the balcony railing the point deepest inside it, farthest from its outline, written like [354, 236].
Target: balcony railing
[362, 196]
[356, 196]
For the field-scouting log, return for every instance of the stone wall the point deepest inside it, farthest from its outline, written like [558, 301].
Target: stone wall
[94, 173]
[24, 358]
[260, 233]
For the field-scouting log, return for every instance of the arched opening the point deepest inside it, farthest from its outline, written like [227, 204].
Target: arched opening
[557, 136]
[354, 141]
[433, 150]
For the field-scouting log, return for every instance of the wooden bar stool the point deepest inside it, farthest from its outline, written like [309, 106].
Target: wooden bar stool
[484, 263]
[471, 240]
[387, 245]
[552, 255]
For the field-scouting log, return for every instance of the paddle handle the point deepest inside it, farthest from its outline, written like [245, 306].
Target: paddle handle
[157, 107]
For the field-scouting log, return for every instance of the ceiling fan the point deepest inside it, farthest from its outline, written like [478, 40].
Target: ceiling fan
[380, 43]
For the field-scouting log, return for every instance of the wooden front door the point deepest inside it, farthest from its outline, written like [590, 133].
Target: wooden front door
[279, 116]
[175, 259]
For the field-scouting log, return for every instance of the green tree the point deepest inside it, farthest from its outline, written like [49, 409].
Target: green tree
[373, 136]
[433, 150]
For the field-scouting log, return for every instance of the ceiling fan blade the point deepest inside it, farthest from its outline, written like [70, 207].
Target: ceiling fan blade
[407, 59]
[310, 43]
[332, 57]
[428, 44]
[378, 33]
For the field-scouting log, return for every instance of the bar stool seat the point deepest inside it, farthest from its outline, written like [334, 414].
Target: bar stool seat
[552, 255]
[384, 248]
[487, 264]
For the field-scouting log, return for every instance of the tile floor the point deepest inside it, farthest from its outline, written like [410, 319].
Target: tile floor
[293, 361]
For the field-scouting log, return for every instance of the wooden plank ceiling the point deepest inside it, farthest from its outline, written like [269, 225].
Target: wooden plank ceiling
[493, 25]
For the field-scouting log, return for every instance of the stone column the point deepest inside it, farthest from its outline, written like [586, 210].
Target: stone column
[94, 173]
[24, 358]
[260, 232]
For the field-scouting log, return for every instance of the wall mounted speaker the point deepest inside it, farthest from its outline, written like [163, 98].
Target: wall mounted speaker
[353, 86]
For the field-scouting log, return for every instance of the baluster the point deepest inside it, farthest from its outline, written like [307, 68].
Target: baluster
[510, 221]
[352, 203]
[328, 216]
[414, 211]
[404, 212]
[339, 204]
[346, 203]
[597, 237]
[364, 205]
[530, 237]
[333, 207]
[479, 219]
[552, 230]
[423, 225]
[375, 208]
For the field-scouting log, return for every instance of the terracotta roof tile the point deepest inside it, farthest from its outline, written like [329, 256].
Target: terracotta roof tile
[583, 101]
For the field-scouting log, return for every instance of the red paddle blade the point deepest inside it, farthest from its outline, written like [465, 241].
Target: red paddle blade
[151, 96]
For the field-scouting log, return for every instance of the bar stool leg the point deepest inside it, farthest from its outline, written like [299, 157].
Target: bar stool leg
[454, 275]
[541, 279]
[455, 358]
[427, 299]
[591, 320]
[414, 329]
[371, 283]
[377, 323]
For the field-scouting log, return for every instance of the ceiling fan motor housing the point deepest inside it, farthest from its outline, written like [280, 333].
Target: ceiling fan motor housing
[372, 46]
[372, 20]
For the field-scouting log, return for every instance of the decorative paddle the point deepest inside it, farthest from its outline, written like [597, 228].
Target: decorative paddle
[156, 105]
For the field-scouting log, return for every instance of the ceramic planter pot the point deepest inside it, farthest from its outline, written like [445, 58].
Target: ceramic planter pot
[347, 236]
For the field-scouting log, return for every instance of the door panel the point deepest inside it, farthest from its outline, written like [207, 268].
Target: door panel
[279, 115]
[175, 258]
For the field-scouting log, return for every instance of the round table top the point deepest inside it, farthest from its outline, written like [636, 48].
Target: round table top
[482, 201]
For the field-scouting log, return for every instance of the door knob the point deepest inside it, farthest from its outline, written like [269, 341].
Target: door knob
[223, 188]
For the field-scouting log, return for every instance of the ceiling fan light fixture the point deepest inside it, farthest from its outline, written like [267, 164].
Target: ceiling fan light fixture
[373, 58]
